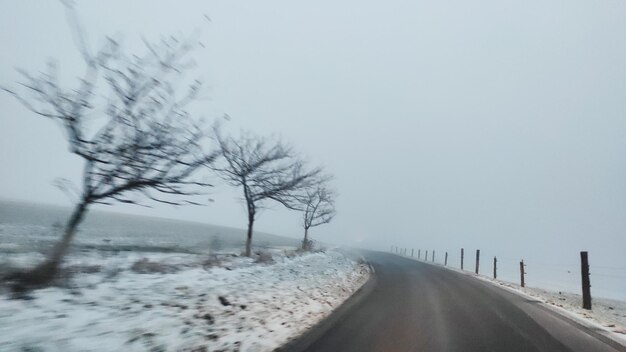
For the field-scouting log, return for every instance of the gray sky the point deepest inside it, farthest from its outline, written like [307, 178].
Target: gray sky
[491, 124]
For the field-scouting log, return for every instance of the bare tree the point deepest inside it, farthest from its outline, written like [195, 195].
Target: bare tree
[318, 208]
[145, 142]
[265, 170]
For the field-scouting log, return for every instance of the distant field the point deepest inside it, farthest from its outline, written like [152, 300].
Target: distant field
[26, 227]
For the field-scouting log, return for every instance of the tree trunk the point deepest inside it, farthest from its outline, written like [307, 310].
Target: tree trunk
[45, 272]
[249, 237]
[251, 213]
[305, 242]
[70, 230]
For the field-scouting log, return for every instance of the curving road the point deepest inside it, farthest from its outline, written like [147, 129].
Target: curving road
[412, 306]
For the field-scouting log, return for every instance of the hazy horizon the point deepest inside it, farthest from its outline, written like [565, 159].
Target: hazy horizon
[447, 125]
[115, 212]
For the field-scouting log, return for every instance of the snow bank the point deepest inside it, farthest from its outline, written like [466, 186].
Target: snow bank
[239, 305]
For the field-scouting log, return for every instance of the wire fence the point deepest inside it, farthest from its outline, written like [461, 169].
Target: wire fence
[606, 281]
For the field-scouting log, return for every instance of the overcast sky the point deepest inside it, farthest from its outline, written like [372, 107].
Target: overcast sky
[484, 124]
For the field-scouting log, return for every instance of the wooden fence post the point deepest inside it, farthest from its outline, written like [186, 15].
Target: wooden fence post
[433, 256]
[462, 258]
[426, 257]
[584, 270]
[521, 273]
[495, 267]
[412, 250]
[477, 259]
[445, 263]
[419, 254]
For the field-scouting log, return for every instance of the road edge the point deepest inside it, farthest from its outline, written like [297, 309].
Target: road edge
[591, 328]
[307, 338]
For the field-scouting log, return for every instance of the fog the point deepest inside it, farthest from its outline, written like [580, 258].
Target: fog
[447, 124]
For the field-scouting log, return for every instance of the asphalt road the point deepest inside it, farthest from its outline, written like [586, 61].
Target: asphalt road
[412, 306]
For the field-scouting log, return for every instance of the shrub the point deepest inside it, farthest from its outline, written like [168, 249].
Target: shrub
[264, 257]
[145, 266]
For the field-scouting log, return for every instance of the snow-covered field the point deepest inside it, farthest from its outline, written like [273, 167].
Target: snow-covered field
[171, 302]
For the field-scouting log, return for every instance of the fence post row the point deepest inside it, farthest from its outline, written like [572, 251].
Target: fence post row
[521, 272]
[584, 270]
[495, 267]
[477, 259]
[462, 255]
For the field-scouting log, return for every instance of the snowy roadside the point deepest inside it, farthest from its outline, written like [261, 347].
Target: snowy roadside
[174, 302]
[607, 315]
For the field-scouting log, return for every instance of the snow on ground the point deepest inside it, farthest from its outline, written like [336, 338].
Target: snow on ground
[606, 314]
[174, 302]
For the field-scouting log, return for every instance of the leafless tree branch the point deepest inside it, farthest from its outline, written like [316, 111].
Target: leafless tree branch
[317, 204]
[148, 140]
[265, 170]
